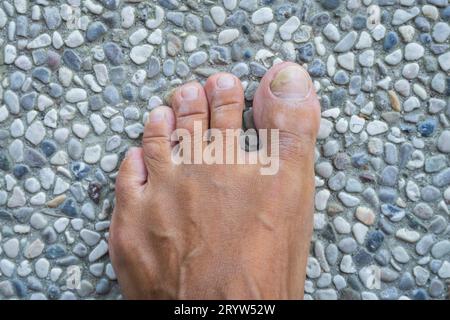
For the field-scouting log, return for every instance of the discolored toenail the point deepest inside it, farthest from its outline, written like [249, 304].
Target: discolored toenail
[189, 92]
[226, 81]
[291, 82]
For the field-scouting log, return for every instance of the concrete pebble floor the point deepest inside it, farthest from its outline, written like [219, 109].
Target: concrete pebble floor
[79, 77]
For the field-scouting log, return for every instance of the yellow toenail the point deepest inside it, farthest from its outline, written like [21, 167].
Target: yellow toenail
[291, 82]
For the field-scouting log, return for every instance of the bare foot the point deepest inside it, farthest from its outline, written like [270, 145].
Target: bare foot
[219, 231]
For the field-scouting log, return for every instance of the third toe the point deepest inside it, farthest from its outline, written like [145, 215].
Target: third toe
[226, 101]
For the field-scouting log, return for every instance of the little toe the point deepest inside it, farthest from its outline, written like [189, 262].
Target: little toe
[132, 174]
[156, 140]
[226, 101]
[286, 100]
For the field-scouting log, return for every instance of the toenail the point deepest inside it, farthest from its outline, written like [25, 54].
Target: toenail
[130, 151]
[157, 115]
[189, 92]
[225, 81]
[291, 82]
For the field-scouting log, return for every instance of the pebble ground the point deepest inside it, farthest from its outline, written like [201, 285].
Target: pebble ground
[78, 78]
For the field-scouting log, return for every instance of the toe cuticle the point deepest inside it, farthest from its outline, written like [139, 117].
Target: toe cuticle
[291, 82]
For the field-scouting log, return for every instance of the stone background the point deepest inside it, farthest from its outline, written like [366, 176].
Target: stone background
[79, 77]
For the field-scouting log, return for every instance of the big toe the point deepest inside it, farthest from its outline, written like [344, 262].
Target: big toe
[286, 100]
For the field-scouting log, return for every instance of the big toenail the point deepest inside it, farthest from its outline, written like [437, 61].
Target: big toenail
[291, 82]
[225, 81]
[189, 92]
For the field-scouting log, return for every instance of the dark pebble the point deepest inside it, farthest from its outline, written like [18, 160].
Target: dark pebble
[20, 287]
[362, 258]
[94, 190]
[220, 55]
[349, 294]
[208, 24]
[5, 215]
[16, 80]
[72, 60]
[445, 14]
[406, 150]
[55, 251]
[48, 147]
[284, 12]
[425, 38]
[23, 214]
[114, 53]
[95, 30]
[53, 292]
[420, 294]
[317, 68]
[69, 208]
[427, 127]
[390, 41]
[20, 170]
[53, 60]
[112, 19]
[406, 282]
[237, 19]
[169, 4]
[34, 158]
[55, 90]
[5, 164]
[422, 24]
[67, 261]
[439, 48]
[102, 287]
[306, 52]
[42, 74]
[129, 92]
[328, 233]
[338, 97]
[39, 56]
[28, 100]
[359, 22]
[387, 195]
[80, 250]
[22, 26]
[96, 102]
[341, 161]
[374, 240]
[258, 70]
[117, 75]
[360, 160]
[330, 4]
[111, 95]
[49, 235]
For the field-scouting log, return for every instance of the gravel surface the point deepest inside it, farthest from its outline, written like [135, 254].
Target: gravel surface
[78, 78]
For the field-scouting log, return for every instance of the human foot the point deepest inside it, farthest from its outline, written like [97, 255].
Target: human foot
[219, 231]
